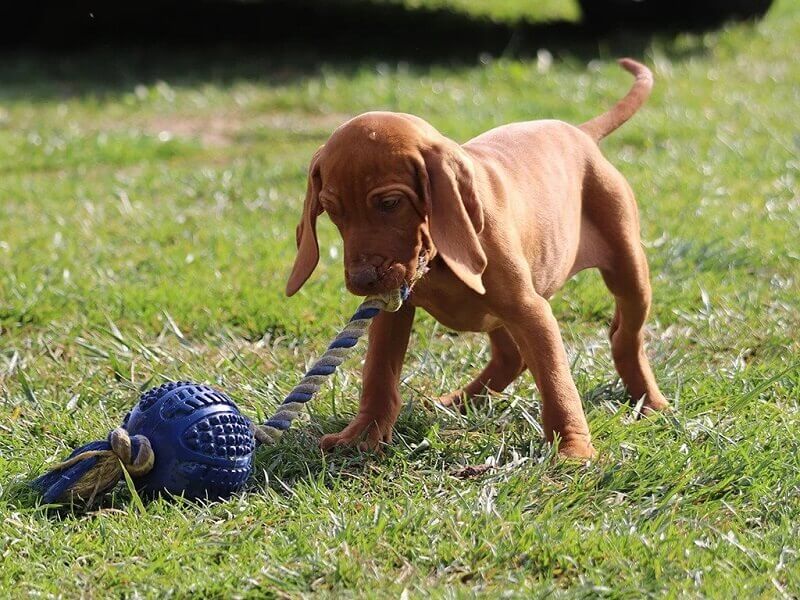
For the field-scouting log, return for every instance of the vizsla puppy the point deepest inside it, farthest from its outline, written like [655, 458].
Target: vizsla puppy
[505, 220]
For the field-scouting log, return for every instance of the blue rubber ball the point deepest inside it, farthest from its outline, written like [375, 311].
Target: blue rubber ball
[203, 446]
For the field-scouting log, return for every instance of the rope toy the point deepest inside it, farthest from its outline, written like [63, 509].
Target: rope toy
[189, 439]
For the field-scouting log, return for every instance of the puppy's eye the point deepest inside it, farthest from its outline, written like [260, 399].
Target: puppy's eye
[389, 203]
[330, 207]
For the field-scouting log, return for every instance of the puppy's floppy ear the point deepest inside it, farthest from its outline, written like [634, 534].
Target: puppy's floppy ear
[307, 245]
[455, 215]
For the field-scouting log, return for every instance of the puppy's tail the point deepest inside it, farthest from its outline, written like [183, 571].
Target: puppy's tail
[601, 126]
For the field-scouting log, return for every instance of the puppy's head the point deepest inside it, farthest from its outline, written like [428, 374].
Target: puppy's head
[395, 188]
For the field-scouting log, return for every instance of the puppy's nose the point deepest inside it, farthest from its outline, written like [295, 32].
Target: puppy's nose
[364, 277]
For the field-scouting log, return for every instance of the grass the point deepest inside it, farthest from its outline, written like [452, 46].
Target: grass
[146, 229]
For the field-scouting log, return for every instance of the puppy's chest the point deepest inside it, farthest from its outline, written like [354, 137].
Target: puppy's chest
[450, 302]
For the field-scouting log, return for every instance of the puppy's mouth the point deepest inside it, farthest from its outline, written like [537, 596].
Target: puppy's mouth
[368, 280]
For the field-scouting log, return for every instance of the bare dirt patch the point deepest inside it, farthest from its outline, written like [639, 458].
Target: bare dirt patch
[222, 129]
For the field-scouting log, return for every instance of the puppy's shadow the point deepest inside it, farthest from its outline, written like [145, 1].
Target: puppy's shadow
[297, 457]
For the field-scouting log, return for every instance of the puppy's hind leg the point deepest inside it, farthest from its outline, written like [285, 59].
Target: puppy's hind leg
[628, 281]
[504, 367]
[611, 207]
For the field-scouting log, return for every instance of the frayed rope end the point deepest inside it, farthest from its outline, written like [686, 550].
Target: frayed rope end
[95, 468]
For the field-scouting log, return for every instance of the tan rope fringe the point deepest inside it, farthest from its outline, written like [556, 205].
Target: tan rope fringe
[110, 463]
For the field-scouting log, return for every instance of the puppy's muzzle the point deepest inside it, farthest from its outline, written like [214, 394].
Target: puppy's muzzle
[363, 279]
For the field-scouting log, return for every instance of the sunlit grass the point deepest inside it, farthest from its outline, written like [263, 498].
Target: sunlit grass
[146, 230]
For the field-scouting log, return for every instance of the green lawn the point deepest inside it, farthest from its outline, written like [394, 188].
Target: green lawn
[147, 212]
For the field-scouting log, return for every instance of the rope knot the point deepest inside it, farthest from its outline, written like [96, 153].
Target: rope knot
[135, 453]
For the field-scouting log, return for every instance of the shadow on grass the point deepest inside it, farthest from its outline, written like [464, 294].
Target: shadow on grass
[56, 50]
[295, 459]
[610, 391]
[298, 460]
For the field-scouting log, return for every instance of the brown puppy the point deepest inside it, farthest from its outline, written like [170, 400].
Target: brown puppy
[507, 218]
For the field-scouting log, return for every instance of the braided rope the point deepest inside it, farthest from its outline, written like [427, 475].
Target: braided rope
[341, 347]
[96, 467]
[291, 407]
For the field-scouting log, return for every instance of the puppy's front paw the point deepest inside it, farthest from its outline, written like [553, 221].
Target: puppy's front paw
[577, 448]
[653, 403]
[365, 431]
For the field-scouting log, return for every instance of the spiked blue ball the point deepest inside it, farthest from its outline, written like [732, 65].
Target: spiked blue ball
[203, 446]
